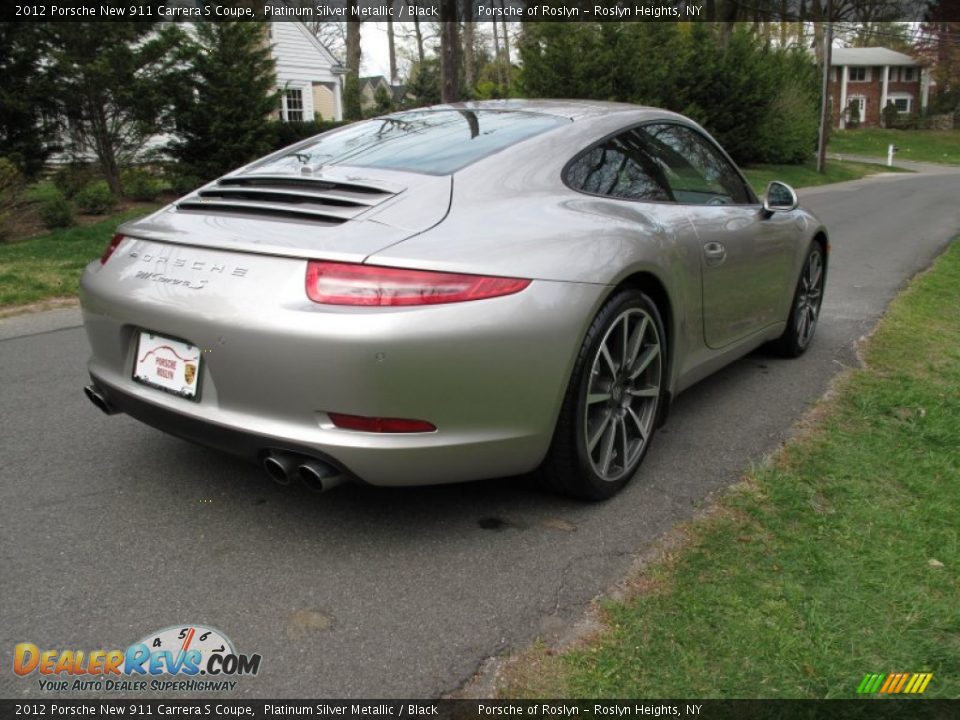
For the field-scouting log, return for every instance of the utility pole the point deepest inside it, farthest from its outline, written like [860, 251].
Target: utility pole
[825, 114]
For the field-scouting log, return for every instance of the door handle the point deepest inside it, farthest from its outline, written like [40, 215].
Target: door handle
[714, 253]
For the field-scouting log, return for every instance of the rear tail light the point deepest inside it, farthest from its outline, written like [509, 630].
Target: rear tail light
[114, 243]
[350, 284]
[380, 425]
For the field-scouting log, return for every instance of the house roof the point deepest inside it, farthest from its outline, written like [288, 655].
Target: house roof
[870, 56]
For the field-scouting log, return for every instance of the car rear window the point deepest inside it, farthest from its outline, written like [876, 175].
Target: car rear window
[436, 142]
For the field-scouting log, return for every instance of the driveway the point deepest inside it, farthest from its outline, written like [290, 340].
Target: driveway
[111, 530]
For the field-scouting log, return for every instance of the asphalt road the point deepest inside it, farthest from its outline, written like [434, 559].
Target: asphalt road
[111, 530]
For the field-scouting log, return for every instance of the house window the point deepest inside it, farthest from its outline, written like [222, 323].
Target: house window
[858, 74]
[902, 104]
[907, 74]
[293, 105]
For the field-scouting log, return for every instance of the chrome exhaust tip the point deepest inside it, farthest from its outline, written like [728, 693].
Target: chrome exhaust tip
[97, 398]
[318, 476]
[281, 468]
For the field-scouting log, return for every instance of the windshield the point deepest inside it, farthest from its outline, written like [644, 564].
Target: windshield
[436, 142]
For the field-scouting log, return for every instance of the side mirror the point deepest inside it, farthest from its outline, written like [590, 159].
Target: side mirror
[779, 197]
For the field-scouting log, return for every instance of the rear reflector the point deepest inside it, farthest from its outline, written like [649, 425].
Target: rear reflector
[350, 284]
[380, 425]
[114, 243]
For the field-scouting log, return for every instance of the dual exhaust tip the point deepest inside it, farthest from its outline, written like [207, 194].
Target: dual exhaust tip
[285, 468]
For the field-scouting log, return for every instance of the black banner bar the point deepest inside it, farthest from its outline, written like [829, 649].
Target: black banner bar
[478, 10]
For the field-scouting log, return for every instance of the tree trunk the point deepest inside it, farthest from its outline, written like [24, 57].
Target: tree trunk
[506, 50]
[449, 54]
[103, 147]
[496, 54]
[391, 43]
[469, 57]
[352, 107]
[416, 30]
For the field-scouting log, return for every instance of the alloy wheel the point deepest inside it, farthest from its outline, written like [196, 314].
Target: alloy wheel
[622, 394]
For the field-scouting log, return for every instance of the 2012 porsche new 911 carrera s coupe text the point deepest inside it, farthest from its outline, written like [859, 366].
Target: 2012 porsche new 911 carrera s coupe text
[454, 293]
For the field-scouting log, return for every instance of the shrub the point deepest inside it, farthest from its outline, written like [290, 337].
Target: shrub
[139, 184]
[42, 191]
[74, 177]
[56, 211]
[890, 115]
[11, 192]
[183, 183]
[95, 198]
[283, 134]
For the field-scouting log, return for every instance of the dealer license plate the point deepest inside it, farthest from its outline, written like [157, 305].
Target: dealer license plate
[168, 364]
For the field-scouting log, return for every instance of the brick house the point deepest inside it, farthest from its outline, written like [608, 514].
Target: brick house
[871, 77]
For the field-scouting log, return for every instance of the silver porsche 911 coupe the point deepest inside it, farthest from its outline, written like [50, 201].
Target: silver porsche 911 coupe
[454, 293]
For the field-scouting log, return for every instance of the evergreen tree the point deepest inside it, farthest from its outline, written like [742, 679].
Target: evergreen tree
[110, 81]
[27, 110]
[226, 98]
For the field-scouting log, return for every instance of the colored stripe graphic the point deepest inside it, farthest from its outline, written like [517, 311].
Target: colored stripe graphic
[894, 683]
[888, 683]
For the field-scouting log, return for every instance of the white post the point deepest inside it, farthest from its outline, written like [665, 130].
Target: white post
[890, 155]
[883, 92]
[843, 96]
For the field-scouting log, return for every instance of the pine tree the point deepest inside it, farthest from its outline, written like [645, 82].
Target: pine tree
[226, 99]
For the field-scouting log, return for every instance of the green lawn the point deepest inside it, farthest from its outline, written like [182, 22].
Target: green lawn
[49, 266]
[938, 146]
[806, 175]
[838, 559]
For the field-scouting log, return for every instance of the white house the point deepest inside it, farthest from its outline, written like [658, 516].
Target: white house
[308, 75]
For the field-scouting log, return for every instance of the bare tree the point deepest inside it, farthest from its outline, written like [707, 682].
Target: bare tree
[351, 90]
[449, 53]
[469, 56]
[496, 54]
[506, 50]
[391, 43]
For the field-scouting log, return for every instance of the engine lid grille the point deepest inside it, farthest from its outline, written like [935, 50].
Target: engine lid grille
[326, 202]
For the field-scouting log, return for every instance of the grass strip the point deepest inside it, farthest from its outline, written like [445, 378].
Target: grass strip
[806, 175]
[936, 146]
[49, 266]
[837, 559]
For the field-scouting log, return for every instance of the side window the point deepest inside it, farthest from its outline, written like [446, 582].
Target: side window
[620, 167]
[696, 171]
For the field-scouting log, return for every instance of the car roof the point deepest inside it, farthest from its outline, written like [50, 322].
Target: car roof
[573, 109]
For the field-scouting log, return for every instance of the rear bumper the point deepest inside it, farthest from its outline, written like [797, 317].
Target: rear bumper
[489, 374]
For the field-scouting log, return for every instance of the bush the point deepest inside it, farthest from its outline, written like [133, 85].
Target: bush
[183, 183]
[74, 177]
[283, 134]
[11, 192]
[56, 212]
[43, 191]
[95, 199]
[139, 184]
[758, 101]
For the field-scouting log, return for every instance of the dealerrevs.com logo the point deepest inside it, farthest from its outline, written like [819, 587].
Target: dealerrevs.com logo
[177, 658]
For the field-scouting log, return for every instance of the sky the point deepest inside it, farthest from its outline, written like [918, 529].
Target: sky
[376, 53]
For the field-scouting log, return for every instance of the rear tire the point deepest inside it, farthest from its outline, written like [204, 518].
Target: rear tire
[610, 411]
[805, 310]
